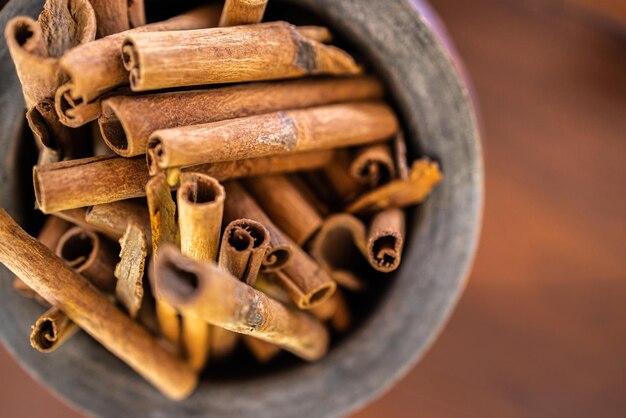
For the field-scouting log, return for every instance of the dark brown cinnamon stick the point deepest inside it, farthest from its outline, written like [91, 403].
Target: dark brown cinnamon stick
[244, 245]
[63, 185]
[222, 55]
[128, 135]
[285, 132]
[89, 309]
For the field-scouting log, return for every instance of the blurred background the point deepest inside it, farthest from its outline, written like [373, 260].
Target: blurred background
[541, 328]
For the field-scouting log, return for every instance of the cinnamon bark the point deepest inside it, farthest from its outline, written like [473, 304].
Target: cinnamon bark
[35, 46]
[98, 180]
[51, 330]
[130, 269]
[219, 298]
[242, 12]
[127, 134]
[315, 128]
[240, 205]
[373, 165]
[114, 217]
[305, 282]
[90, 310]
[55, 140]
[89, 255]
[386, 239]
[96, 67]
[423, 178]
[200, 201]
[244, 245]
[162, 211]
[222, 55]
[262, 351]
[286, 205]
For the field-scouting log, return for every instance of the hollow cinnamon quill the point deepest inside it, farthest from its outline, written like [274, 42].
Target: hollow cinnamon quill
[98, 180]
[246, 311]
[243, 249]
[222, 55]
[127, 135]
[96, 67]
[51, 330]
[242, 12]
[90, 310]
[316, 128]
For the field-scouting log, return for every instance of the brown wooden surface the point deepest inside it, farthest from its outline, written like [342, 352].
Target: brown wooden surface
[541, 329]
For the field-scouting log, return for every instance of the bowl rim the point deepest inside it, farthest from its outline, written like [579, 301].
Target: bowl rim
[389, 343]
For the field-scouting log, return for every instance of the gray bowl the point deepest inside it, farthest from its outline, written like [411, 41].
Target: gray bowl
[439, 122]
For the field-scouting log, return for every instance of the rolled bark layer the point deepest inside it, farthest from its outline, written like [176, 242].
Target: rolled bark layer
[244, 245]
[51, 330]
[285, 132]
[222, 55]
[128, 135]
[385, 240]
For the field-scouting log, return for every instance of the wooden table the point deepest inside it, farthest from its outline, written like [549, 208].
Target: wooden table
[541, 329]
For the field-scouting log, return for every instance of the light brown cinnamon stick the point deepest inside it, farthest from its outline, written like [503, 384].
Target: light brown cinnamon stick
[60, 186]
[128, 135]
[114, 217]
[245, 310]
[242, 12]
[262, 351]
[96, 67]
[89, 255]
[51, 330]
[306, 283]
[222, 55]
[36, 46]
[244, 245]
[335, 311]
[200, 201]
[423, 178]
[130, 269]
[113, 16]
[284, 132]
[286, 205]
[89, 309]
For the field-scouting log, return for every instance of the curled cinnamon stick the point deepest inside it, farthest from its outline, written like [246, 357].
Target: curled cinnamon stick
[96, 67]
[373, 165]
[284, 132]
[286, 205]
[36, 46]
[242, 12]
[222, 55]
[423, 178]
[89, 255]
[51, 330]
[162, 211]
[128, 135]
[56, 140]
[60, 186]
[197, 288]
[386, 239]
[114, 217]
[130, 269]
[244, 245]
[305, 282]
[240, 205]
[90, 310]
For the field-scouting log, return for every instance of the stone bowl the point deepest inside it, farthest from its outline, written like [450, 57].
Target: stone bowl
[433, 102]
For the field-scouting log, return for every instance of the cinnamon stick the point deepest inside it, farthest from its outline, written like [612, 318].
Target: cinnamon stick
[222, 55]
[423, 178]
[114, 217]
[240, 205]
[244, 245]
[305, 282]
[200, 201]
[199, 288]
[129, 271]
[262, 351]
[162, 211]
[96, 67]
[284, 132]
[373, 165]
[127, 134]
[114, 16]
[335, 311]
[35, 46]
[77, 217]
[63, 185]
[242, 12]
[90, 310]
[51, 330]
[56, 141]
[89, 255]
[286, 205]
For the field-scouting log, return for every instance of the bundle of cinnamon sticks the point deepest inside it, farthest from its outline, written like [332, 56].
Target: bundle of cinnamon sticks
[184, 220]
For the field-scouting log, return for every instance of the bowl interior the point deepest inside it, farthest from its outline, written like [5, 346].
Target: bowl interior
[402, 313]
